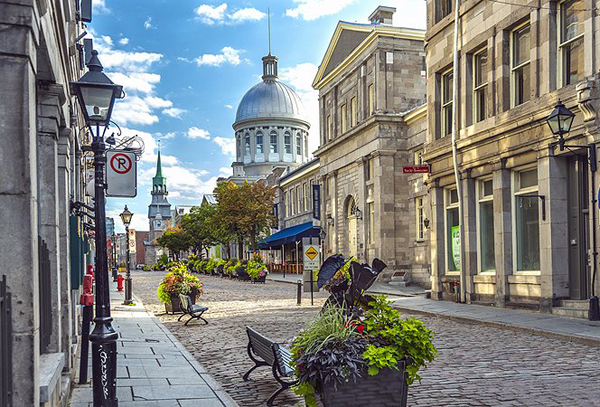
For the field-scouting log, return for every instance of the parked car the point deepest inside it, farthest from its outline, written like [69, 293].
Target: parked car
[140, 266]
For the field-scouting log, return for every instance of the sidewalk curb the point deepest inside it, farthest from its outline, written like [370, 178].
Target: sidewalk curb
[215, 387]
[540, 332]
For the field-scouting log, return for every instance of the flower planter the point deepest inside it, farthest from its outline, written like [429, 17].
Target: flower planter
[174, 306]
[260, 279]
[386, 389]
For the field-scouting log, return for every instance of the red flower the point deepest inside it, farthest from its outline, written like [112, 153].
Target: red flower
[360, 329]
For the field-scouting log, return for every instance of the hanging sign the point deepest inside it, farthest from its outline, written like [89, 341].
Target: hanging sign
[121, 174]
[316, 196]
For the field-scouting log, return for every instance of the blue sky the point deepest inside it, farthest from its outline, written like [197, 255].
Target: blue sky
[185, 65]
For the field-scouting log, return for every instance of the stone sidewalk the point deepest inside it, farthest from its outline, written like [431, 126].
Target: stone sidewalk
[153, 368]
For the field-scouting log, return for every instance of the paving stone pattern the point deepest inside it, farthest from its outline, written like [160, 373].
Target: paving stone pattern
[477, 365]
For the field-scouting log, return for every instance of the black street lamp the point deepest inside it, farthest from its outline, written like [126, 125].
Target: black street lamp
[126, 216]
[560, 122]
[96, 94]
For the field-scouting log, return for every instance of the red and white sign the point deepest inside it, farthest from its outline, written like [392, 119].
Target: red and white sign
[121, 174]
[416, 169]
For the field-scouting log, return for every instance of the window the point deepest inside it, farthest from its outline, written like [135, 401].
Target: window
[309, 194]
[343, 118]
[273, 147]
[487, 259]
[292, 202]
[239, 148]
[527, 225]
[329, 128]
[419, 157]
[259, 143]
[447, 83]
[520, 65]
[299, 200]
[371, 222]
[369, 170]
[287, 142]
[570, 43]
[371, 99]
[353, 112]
[298, 145]
[286, 204]
[420, 216]
[247, 144]
[329, 186]
[452, 231]
[301, 195]
[444, 8]
[480, 81]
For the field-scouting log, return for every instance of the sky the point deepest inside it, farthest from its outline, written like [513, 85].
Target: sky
[186, 64]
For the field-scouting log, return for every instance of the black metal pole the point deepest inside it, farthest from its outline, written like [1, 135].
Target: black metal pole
[594, 311]
[103, 337]
[88, 313]
[128, 295]
[114, 258]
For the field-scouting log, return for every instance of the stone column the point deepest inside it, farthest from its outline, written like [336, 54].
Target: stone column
[18, 193]
[361, 204]
[470, 231]
[436, 196]
[502, 232]
[338, 220]
[554, 248]
[385, 207]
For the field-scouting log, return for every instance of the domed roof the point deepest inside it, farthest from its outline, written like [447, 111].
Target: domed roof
[270, 98]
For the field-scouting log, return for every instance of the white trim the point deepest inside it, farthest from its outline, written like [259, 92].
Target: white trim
[512, 68]
[482, 87]
[559, 45]
[479, 200]
[447, 206]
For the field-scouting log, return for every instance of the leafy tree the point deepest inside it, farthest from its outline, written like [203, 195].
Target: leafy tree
[176, 240]
[197, 224]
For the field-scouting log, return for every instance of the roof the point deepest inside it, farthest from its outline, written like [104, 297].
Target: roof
[289, 235]
[210, 199]
[299, 171]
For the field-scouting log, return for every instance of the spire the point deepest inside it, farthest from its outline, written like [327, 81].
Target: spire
[270, 61]
[269, 22]
[158, 164]
[159, 182]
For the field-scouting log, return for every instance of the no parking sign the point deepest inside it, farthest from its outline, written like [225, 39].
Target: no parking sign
[121, 174]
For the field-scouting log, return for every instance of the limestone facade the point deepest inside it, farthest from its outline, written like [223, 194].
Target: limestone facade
[528, 207]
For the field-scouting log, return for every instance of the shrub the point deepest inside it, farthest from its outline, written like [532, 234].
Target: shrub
[178, 281]
[146, 268]
[256, 269]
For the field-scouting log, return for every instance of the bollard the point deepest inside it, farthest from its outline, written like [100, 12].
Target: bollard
[299, 293]
[120, 283]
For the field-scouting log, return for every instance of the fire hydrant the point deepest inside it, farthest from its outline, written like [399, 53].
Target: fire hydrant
[120, 283]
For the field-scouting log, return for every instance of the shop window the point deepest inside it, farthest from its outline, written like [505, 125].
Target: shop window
[527, 225]
[487, 259]
[452, 231]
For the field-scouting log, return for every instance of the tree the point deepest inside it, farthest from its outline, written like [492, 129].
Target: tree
[176, 240]
[197, 225]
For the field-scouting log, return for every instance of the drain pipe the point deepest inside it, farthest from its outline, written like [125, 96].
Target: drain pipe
[594, 311]
[463, 275]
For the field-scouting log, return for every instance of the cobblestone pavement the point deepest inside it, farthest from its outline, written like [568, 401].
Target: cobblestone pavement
[477, 365]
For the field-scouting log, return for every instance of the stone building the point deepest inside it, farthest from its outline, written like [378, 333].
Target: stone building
[159, 214]
[44, 247]
[371, 86]
[528, 206]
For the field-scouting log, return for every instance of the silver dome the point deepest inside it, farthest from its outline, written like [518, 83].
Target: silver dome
[270, 99]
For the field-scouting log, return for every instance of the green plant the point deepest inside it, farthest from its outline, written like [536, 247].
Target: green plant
[231, 265]
[256, 268]
[155, 267]
[178, 281]
[146, 268]
[210, 265]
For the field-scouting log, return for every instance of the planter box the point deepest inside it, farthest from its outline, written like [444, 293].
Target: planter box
[175, 306]
[261, 279]
[387, 389]
[243, 275]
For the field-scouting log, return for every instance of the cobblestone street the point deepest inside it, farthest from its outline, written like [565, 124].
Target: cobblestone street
[477, 365]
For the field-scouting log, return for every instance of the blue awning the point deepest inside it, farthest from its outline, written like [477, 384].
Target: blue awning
[289, 235]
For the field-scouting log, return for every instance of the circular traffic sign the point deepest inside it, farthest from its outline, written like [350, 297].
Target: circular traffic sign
[121, 163]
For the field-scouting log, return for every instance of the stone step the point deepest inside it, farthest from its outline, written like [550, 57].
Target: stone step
[576, 304]
[570, 312]
[398, 283]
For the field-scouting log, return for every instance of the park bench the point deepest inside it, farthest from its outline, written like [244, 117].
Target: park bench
[265, 352]
[195, 311]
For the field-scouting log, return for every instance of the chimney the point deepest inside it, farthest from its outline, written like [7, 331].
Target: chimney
[382, 15]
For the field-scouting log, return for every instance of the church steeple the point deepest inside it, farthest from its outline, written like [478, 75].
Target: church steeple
[159, 183]
[270, 61]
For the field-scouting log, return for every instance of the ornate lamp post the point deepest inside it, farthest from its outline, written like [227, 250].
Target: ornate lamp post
[560, 122]
[126, 216]
[96, 94]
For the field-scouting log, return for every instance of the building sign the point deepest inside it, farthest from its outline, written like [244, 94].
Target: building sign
[121, 174]
[316, 196]
[416, 169]
[89, 176]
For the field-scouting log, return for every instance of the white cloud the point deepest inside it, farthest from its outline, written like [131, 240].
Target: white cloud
[183, 183]
[313, 9]
[300, 76]
[225, 171]
[227, 145]
[174, 112]
[124, 41]
[229, 106]
[228, 55]
[99, 7]
[158, 103]
[107, 40]
[215, 15]
[142, 82]
[194, 132]
[169, 135]
[148, 23]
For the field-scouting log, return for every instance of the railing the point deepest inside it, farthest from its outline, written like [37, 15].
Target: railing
[5, 345]
[289, 268]
[45, 298]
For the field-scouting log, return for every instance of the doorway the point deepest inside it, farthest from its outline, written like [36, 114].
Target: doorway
[578, 233]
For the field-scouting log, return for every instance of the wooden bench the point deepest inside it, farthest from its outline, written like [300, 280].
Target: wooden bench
[265, 352]
[195, 311]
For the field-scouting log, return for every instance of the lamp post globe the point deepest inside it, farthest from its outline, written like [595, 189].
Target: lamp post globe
[96, 94]
[560, 122]
[126, 216]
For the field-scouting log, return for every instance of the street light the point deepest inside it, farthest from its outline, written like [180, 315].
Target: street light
[96, 94]
[560, 122]
[126, 216]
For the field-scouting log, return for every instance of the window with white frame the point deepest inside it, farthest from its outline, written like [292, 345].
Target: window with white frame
[480, 81]
[371, 222]
[299, 200]
[353, 112]
[485, 212]
[446, 106]
[298, 145]
[329, 128]
[309, 195]
[259, 143]
[273, 140]
[287, 143]
[343, 113]
[519, 67]
[292, 201]
[418, 157]
[452, 231]
[570, 43]
[527, 222]
[371, 99]
[420, 217]
[247, 149]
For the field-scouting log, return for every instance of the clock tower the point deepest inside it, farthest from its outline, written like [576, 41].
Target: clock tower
[159, 213]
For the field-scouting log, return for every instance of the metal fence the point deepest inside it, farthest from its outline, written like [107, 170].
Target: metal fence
[5, 345]
[45, 299]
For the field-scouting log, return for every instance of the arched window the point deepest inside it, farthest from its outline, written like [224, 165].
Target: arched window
[273, 142]
[298, 144]
[287, 141]
[238, 146]
[247, 144]
[259, 143]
